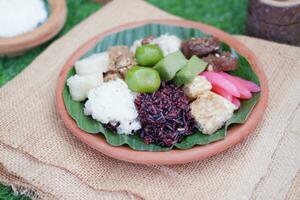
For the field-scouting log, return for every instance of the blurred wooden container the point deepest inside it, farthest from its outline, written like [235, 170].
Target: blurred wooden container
[276, 20]
[17, 45]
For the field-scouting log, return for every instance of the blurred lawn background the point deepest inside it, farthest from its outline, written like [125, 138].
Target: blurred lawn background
[229, 15]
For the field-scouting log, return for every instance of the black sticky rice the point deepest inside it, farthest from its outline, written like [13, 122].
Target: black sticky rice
[164, 115]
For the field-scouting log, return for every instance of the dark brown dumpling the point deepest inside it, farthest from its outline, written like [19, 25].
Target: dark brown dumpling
[200, 47]
[221, 62]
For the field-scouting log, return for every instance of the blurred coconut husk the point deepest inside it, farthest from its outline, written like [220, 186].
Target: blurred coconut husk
[276, 20]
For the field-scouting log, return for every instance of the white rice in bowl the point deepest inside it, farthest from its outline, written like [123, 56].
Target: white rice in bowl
[112, 102]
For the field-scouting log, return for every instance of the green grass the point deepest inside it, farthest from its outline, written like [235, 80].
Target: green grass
[6, 193]
[229, 15]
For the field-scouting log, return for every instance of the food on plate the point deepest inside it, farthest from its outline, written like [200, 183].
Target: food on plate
[170, 65]
[89, 74]
[223, 93]
[147, 40]
[94, 64]
[161, 90]
[142, 79]
[120, 60]
[148, 55]
[167, 43]
[243, 87]
[244, 92]
[192, 68]
[198, 85]
[217, 79]
[236, 102]
[112, 102]
[111, 75]
[137, 43]
[210, 51]
[211, 111]
[79, 86]
[200, 47]
[164, 115]
[221, 62]
[120, 57]
[252, 87]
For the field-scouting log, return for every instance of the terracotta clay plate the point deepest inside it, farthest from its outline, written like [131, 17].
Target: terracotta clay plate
[234, 135]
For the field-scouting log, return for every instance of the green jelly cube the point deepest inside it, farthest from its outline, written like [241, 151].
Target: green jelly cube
[193, 67]
[170, 65]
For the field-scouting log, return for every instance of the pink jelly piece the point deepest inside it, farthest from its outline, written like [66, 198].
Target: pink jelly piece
[216, 79]
[252, 87]
[236, 102]
[221, 92]
[244, 92]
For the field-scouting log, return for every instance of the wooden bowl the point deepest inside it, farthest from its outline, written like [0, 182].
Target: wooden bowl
[235, 134]
[17, 45]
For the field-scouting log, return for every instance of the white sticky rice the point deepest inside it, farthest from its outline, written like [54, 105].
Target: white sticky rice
[112, 102]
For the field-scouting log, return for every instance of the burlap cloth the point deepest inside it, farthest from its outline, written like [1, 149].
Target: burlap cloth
[38, 152]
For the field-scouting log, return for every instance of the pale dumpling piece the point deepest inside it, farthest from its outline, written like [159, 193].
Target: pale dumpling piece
[79, 86]
[211, 111]
[94, 64]
[197, 86]
[168, 43]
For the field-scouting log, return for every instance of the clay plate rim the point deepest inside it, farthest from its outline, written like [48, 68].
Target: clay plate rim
[12, 46]
[235, 134]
